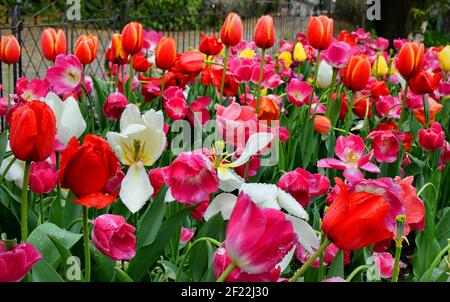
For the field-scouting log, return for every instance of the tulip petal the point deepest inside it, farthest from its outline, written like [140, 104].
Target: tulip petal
[135, 188]
[264, 195]
[131, 115]
[256, 143]
[306, 235]
[291, 205]
[229, 180]
[286, 259]
[223, 203]
[169, 197]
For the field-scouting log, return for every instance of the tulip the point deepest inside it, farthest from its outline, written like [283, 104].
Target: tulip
[433, 108]
[268, 109]
[116, 53]
[424, 82]
[433, 138]
[132, 37]
[346, 37]
[176, 108]
[86, 49]
[384, 264]
[189, 63]
[9, 50]
[299, 53]
[15, 263]
[337, 55]
[380, 67]
[33, 130]
[324, 75]
[298, 92]
[444, 59]
[115, 238]
[156, 177]
[86, 170]
[140, 63]
[286, 58]
[53, 43]
[322, 124]
[31, 90]
[114, 105]
[43, 177]
[186, 235]
[367, 211]
[320, 31]
[231, 32]
[388, 106]
[264, 35]
[356, 74]
[165, 53]
[410, 59]
[378, 89]
[386, 145]
[66, 76]
[210, 45]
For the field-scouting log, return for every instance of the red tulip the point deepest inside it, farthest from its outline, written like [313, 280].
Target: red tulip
[410, 59]
[356, 74]
[379, 88]
[346, 37]
[53, 43]
[231, 32]
[424, 82]
[33, 130]
[116, 54]
[165, 53]
[140, 63]
[433, 138]
[189, 63]
[356, 219]
[132, 37]
[264, 36]
[86, 169]
[320, 31]
[9, 50]
[86, 49]
[210, 45]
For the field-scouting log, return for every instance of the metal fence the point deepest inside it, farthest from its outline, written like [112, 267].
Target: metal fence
[290, 19]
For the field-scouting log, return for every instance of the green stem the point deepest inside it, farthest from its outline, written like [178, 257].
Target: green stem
[403, 111]
[356, 271]
[348, 122]
[24, 205]
[308, 263]
[7, 169]
[261, 72]
[9, 86]
[82, 95]
[58, 185]
[426, 110]
[163, 82]
[398, 251]
[436, 262]
[222, 83]
[41, 209]
[226, 272]
[87, 251]
[185, 256]
[330, 95]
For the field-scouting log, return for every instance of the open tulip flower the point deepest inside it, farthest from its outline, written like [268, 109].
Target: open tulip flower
[255, 155]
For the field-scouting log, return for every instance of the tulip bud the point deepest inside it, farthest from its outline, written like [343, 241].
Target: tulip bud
[210, 46]
[43, 177]
[264, 35]
[380, 67]
[231, 32]
[286, 58]
[116, 53]
[165, 53]
[114, 105]
[322, 124]
[132, 37]
[320, 31]
[356, 74]
[324, 75]
[299, 53]
[444, 59]
[86, 49]
[410, 59]
[53, 43]
[433, 138]
[9, 50]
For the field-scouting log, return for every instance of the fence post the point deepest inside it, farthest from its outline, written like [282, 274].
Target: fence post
[16, 27]
[122, 14]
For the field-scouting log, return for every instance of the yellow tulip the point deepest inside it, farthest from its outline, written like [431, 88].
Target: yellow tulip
[286, 57]
[444, 59]
[380, 67]
[299, 53]
[247, 53]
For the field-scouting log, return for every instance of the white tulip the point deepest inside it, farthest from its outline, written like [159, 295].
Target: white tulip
[324, 75]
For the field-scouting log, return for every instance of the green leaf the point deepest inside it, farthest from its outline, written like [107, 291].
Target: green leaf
[44, 272]
[101, 93]
[146, 256]
[443, 227]
[102, 267]
[337, 266]
[71, 212]
[122, 276]
[150, 222]
[3, 144]
[39, 238]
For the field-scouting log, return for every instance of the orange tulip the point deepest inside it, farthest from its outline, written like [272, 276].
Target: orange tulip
[356, 74]
[434, 108]
[320, 31]
[188, 63]
[116, 54]
[53, 43]
[166, 53]
[268, 109]
[322, 124]
[132, 37]
[410, 59]
[264, 36]
[9, 50]
[86, 48]
[231, 32]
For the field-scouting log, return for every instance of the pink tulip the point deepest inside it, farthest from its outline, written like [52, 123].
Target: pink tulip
[257, 239]
[150, 41]
[4, 106]
[17, 262]
[65, 77]
[191, 178]
[157, 178]
[384, 263]
[433, 138]
[413, 206]
[269, 80]
[176, 108]
[115, 238]
[298, 92]
[445, 155]
[328, 255]
[113, 186]
[388, 106]
[386, 145]
[350, 150]
[114, 106]
[398, 43]
[253, 167]
[186, 235]
[173, 92]
[337, 54]
[221, 262]
[380, 44]
[240, 69]
[31, 90]
[43, 177]
[198, 113]
[302, 185]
